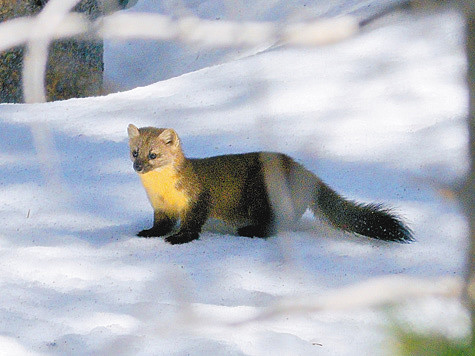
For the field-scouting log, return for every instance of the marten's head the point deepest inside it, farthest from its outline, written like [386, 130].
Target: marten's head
[153, 148]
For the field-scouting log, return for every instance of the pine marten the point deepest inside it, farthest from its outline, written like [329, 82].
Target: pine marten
[259, 193]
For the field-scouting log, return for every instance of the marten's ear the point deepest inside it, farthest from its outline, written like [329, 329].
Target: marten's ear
[169, 137]
[133, 131]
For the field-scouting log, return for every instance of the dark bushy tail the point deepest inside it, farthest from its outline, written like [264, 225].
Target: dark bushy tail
[372, 220]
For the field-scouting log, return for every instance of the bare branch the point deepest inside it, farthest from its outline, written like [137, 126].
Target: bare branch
[14, 32]
[224, 33]
[373, 293]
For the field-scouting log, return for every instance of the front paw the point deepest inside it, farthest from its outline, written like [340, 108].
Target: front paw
[153, 232]
[182, 237]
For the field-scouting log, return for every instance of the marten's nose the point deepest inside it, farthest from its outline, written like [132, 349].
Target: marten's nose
[138, 166]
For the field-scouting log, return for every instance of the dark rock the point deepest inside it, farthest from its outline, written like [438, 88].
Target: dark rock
[75, 67]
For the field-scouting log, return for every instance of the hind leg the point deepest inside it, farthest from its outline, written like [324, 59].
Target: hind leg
[262, 221]
[267, 221]
[262, 231]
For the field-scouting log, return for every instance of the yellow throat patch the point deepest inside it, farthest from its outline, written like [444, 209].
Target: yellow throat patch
[162, 192]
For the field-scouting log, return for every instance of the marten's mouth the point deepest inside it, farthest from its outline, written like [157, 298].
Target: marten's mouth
[143, 171]
[141, 168]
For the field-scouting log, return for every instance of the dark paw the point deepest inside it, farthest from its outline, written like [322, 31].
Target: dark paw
[147, 233]
[153, 232]
[182, 237]
[254, 231]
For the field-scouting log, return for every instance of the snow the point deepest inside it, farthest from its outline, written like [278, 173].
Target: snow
[379, 117]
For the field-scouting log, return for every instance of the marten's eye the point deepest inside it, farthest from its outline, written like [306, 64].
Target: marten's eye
[152, 156]
[135, 153]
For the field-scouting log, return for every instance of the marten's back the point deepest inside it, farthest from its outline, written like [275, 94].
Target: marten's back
[225, 178]
[238, 183]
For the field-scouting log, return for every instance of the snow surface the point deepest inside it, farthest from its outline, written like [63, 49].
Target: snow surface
[133, 63]
[379, 117]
